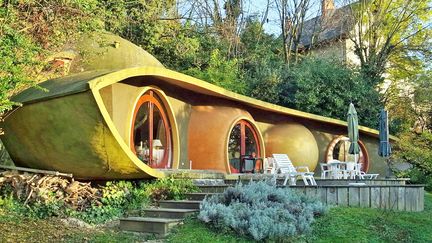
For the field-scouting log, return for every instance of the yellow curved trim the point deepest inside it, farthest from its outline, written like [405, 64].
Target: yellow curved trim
[257, 130]
[203, 87]
[173, 122]
[145, 168]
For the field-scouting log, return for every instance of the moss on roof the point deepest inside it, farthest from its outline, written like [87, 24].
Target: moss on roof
[58, 87]
[105, 51]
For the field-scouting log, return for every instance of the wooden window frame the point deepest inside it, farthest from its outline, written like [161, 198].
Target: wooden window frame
[243, 124]
[152, 100]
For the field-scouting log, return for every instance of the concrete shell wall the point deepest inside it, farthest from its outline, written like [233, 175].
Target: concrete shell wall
[209, 131]
[325, 136]
[203, 127]
[120, 101]
[88, 133]
[67, 134]
[296, 141]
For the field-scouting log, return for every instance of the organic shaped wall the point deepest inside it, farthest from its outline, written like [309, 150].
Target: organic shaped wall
[296, 141]
[209, 131]
[69, 134]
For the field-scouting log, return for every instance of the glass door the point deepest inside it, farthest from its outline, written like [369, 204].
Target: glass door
[243, 143]
[150, 136]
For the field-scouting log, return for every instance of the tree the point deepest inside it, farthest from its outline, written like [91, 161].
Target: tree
[29, 32]
[292, 14]
[221, 72]
[226, 19]
[326, 87]
[261, 62]
[384, 28]
[415, 148]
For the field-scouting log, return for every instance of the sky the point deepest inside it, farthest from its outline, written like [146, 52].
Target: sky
[272, 25]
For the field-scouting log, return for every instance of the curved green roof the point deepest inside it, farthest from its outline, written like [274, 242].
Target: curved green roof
[98, 79]
[58, 87]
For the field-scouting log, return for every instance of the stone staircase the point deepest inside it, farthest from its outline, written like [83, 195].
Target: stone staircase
[169, 213]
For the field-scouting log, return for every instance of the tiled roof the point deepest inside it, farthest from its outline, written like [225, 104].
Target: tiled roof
[334, 25]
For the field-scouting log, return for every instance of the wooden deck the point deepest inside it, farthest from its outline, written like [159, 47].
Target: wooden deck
[393, 197]
[391, 194]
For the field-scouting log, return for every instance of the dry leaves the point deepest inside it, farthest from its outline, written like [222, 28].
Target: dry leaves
[31, 188]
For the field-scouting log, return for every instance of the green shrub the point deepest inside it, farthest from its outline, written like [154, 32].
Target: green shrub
[415, 149]
[262, 211]
[416, 177]
[170, 188]
[117, 199]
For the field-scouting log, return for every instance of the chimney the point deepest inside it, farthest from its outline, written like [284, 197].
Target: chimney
[327, 6]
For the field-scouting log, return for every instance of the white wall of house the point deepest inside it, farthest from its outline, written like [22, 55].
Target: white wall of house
[332, 50]
[351, 57]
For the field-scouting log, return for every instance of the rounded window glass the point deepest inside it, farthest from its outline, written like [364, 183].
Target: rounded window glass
[243, 143]
[151, 138]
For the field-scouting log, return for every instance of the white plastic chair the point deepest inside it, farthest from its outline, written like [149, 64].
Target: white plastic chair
[285, 166]
[269, 166]
[325, 170]
[350, 170]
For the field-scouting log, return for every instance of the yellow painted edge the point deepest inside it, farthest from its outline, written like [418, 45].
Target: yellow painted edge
[145, 168]
[117, 76]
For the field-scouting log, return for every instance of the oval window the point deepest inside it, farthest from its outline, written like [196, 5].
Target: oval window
[150, 135]
[338, 150]
[243, 142]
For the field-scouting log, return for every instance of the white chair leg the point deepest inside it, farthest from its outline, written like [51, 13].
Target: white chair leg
[313, 182]
[286, 180]
[305, 180]
[293, 180]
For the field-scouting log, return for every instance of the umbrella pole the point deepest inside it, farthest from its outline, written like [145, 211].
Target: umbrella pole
[356, 164]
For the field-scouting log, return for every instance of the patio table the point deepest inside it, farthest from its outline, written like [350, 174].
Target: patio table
[335, 169]
[352, 169]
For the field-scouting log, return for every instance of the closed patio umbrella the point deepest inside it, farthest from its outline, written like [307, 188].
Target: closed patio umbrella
[384, 149]
[384, 145]
[353, 133]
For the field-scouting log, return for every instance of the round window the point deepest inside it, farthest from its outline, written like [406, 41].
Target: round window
[150, 135]
[338, 150]
[243, 142]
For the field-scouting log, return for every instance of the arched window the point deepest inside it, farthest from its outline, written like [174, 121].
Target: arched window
[243, 142]
[151, 132]
[338, 149]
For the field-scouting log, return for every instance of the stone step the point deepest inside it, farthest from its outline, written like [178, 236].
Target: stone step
[148, 225]
[182, 204]
[199, 196]
[170, 213]
[213, 189]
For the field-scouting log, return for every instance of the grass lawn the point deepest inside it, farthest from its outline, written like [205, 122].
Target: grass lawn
[15, 228]
[372, 225]
[341, 224]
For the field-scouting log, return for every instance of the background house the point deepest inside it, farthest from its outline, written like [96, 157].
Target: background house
[327, 35]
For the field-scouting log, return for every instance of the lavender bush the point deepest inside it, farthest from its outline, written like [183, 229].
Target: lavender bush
[261, 210]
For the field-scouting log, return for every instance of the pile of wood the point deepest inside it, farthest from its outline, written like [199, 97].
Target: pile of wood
[33, 188]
